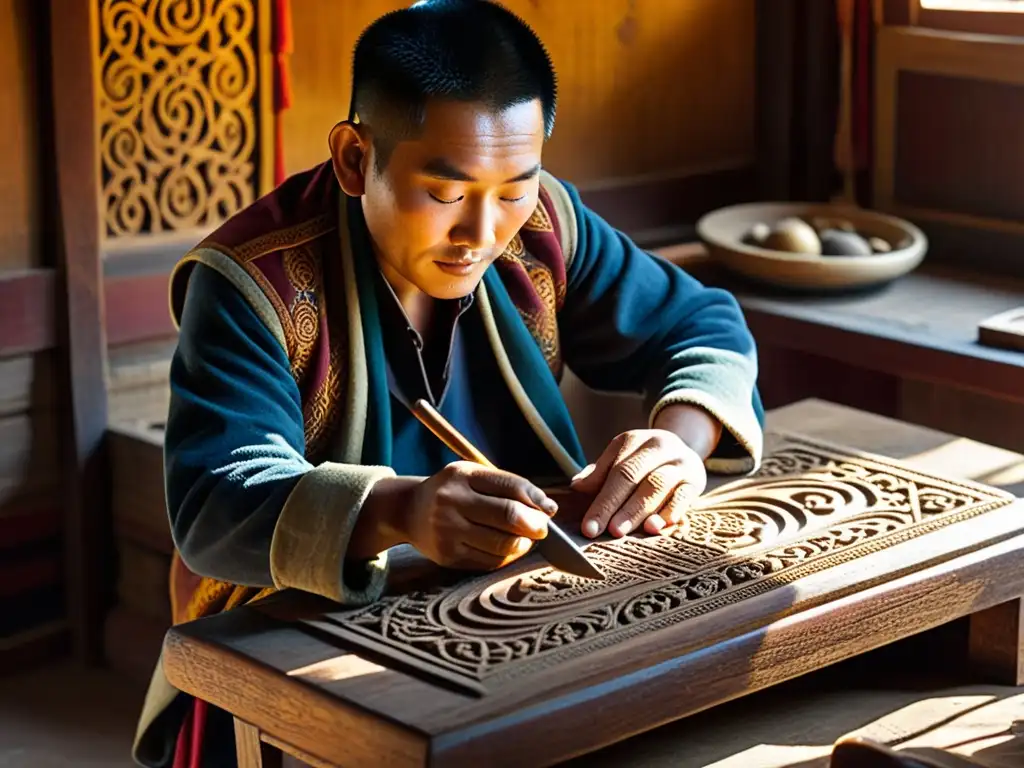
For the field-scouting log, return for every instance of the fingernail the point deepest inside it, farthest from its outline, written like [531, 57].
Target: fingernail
[625, 527]
[591, 528]
[585, 472]
[541, 500]
[657, 522]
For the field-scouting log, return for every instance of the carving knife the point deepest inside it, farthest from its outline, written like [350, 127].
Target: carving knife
[557, 547]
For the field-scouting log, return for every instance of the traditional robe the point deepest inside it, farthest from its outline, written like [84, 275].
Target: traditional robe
[285, 407]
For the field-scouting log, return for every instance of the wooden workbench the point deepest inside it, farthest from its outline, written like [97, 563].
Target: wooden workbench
[293, 688]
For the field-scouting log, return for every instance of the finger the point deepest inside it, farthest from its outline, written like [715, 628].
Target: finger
[622, 482]
[495, 542]
[593, 475]
[681, 501]
[650, 494]
[469, 558]
[506, 485]
[507, 516]
[654, 524]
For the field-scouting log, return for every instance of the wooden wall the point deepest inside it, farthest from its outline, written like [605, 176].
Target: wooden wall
[31, 599]
[20, 162]
[656, 96]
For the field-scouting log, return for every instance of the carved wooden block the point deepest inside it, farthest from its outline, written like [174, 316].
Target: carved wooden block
[809, 509]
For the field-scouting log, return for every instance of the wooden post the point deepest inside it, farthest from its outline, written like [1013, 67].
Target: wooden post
[996, 644]
[75, 203]
[251, 751]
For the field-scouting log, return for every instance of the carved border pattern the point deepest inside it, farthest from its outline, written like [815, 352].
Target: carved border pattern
[810, 507]
[178, 98]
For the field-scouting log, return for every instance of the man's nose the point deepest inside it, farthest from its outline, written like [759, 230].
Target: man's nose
[475, 230]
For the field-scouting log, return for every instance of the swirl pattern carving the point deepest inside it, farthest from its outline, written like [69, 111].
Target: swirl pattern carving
[809, 507]
[176, 107]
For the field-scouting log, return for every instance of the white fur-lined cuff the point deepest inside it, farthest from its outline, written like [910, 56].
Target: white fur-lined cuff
[741, 423]
[312, 534]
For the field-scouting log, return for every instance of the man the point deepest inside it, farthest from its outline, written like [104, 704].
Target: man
[431, 257]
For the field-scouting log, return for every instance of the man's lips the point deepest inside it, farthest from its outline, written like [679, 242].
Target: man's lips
[459, 262]
[460, 267]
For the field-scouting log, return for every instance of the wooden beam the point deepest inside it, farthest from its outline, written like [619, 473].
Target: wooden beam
[27, 317]
[137, 309]
[76, 187]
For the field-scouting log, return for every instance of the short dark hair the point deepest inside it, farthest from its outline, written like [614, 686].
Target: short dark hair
[463, 50]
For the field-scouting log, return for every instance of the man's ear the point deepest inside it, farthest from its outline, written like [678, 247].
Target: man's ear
[350, 152]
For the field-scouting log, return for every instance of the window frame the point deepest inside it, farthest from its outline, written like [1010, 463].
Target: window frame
[901, 45]
[984, 21]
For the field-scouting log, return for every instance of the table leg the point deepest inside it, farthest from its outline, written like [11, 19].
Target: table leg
[996, 647]
[251, 751]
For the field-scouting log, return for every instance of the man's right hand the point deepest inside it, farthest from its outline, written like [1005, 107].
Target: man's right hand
[466, 516]
[470, 517]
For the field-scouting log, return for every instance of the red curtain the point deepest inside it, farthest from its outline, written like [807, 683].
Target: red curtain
[281, 47]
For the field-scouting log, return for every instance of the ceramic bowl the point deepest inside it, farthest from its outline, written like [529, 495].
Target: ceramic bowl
[723, 230]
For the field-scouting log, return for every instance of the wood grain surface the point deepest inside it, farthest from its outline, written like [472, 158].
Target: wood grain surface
[300, 689]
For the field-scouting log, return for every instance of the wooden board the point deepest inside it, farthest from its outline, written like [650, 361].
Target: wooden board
[809, 508]
[848, 552]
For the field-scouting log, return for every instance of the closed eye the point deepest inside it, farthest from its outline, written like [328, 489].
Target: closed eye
[445, 202]
[457, 199]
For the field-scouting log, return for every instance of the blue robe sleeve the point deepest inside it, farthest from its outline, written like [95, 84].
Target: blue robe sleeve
[633, 322]
[234, 446]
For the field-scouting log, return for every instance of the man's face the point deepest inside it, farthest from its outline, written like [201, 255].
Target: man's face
[447, 203]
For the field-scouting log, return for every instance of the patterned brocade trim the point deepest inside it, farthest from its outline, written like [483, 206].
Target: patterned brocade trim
[252, 285]
[567, 224]
[543, 323]
[321, 411]
[271, 294]
[302, 270]
[539, 220]
[290, 237]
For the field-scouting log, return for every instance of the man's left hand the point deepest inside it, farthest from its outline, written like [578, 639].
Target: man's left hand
[644, 477]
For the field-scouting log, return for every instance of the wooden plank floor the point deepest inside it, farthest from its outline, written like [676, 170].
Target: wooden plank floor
[62, 715]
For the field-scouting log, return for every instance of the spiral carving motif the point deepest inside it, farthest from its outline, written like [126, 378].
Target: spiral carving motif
[809, 508]
[176, 110]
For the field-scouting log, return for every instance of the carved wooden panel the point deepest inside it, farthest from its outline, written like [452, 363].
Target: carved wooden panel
[809, 508]
[181, 100]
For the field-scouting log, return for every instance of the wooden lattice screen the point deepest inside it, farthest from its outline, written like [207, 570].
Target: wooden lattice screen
[183, 111]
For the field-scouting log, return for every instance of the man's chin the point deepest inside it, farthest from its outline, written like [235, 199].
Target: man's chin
[451, 282]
